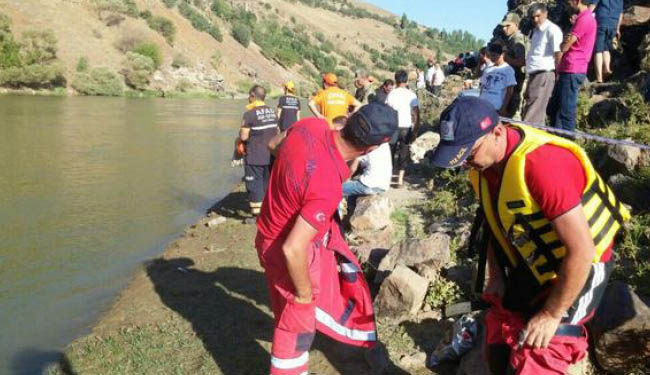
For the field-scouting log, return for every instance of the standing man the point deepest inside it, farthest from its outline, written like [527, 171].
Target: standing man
[365, 86]
[258, 126]
[288, 107]
[577, 49]
[405, 102]
[332, 102]
[498, 81]
[516, 58]
[382, 93]
[609, 16]
[437, 80]
[428, 76]
[550, 226]
[314, 280]
[543, 57]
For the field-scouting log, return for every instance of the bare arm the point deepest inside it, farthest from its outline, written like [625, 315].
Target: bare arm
[618, 26]
[356, 104]
[278, 112]
[506, 101]
[568, 42]
[275, 142]
[244, 133]
[313, 107]
[295, 250]
[573, 231]
[354, 166]
[494, 281]
[558, 58]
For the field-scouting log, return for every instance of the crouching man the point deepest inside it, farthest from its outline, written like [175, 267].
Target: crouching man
[314, 280]
[550, 222]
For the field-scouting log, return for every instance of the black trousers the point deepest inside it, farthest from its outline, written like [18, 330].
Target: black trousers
[399, 145]
[257, 181]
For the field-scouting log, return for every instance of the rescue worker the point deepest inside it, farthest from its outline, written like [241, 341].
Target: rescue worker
[550, 224]
[314, 280]
[288, 110]
[332, 101]
[259, 125]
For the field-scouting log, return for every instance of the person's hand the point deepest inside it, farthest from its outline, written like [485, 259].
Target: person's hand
[304, 300]
[573, 19]
[541, 329]
[618, 34]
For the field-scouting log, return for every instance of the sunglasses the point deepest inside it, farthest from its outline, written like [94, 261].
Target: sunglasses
[474, 151]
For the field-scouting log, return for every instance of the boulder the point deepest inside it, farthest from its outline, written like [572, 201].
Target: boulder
[424, 143]
[608, 111]
[414, 361]
[432, 251]
[372, 213]
[630, 191]
[625, 158]
[621, 329]
[215, 221]
[636, 16]
[401, 294]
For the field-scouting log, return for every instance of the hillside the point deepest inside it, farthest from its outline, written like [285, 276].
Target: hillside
[278, 40]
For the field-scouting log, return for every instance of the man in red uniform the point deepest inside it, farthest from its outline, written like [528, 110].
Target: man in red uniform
[314, 281]
[550, 226]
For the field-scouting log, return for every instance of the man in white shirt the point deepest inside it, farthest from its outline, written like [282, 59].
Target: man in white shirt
[498, 81]
[543, 56]
[405, 102]
[376, 171]
[437, 80]
[428, 77]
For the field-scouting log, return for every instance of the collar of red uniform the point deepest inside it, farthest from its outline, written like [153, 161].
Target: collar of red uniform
[255, 104]
[341, 165]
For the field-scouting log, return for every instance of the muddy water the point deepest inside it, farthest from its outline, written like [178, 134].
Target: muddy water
[89, 188]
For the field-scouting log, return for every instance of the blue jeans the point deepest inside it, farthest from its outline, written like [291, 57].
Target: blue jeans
[356, 187]
[562, 107]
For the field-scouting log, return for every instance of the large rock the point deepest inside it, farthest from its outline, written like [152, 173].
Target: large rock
[636, 16]
[621, 329]
[424, 143]
[401, 294]
[432, 251]
[608, 111]
[625, 157]
[372, 213]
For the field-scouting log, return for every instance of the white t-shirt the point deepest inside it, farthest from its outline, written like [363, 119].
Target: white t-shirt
[494, 82]
[430, 73]
[403, 100]
[377, 168]
[420, 83]
[438, 77]
[545, 41]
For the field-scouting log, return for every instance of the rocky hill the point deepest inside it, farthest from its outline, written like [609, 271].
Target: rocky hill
[96, 46]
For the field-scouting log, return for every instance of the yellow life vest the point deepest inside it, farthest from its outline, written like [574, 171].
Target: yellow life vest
[518, 224]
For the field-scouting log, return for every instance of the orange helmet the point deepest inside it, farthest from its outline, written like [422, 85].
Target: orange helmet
[330, 79]
[241, 147]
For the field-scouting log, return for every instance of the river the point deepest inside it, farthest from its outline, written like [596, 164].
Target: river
[90, 188]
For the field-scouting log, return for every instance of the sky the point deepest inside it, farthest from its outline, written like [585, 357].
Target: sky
[479, 17]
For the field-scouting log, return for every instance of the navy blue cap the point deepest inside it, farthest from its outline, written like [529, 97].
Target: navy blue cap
[373, 124]
[461, 124]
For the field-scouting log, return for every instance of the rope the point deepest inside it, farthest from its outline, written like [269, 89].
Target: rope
[569, 133]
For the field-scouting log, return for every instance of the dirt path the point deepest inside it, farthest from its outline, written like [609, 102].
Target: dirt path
[202, 308]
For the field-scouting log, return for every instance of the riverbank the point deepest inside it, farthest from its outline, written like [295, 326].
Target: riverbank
[63, 92]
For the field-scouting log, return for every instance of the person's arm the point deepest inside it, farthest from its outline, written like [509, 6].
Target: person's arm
[494, 283]
[354, 166]
[618, 26]
[295, 249]
[506, 100]
[244, 131]
[278, 112]
[573, 230]
[275, 142]
[519, 56]
[569, 40]
[355, 104]
[313, 107]
[415, 119]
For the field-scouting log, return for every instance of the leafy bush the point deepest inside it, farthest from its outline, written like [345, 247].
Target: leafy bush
[221, 9]
[198, 21]
[146, 15]
[9, 48]
[100, 82]
[33, 76]
[443, 292]
[169, 3]
[127, 7]
[82, 64]
[241, 33]
[180, 61]
[138, 70]
[164, 27]
[151, 50]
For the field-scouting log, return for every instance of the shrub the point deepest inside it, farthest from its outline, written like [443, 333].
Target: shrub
[146, 15]
[151, 50]
[34, 76]
[82, 64]
[164, 27]
[169, 3]
[216, 59]
[38, 47]
[180, 61]
[9, 48]
[198, 21]
[127, 7]
[138, 70]
[443, 292]
[221, 9]
[100, 82]
[241, 33]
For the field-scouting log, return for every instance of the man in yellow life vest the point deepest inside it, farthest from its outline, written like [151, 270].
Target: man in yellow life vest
[549, 227]
[332, 101]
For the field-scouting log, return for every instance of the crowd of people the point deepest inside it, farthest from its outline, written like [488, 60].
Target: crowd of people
[545, 245]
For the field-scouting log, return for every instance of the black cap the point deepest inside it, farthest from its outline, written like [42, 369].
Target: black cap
[373, 124]
[461, 124]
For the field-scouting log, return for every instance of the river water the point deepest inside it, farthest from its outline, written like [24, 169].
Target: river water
[89, 188]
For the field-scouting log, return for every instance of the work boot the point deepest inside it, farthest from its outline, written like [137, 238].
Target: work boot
[377, 358]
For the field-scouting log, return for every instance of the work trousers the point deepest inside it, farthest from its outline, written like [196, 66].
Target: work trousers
[562, 108]
[400, 147]
[538, 93]
[257, 180]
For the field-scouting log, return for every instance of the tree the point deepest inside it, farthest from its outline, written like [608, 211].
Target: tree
[241, 33]
[404, 23]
